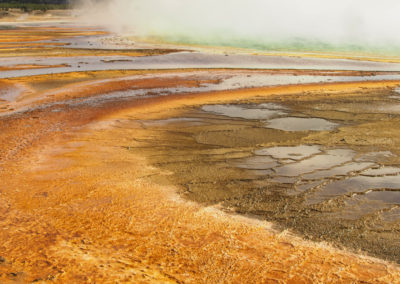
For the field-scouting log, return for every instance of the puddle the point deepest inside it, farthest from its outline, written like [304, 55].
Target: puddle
[363, 183]
[270, 112]
[338, 171]
[359, 206]
[293, 153]
[256, 163]
[381, 171]
[381, 156]
[356, 184]
[392, 215]
[331, 158]
[379, 203]
[241, 111]
[301, 124]
[388, 197]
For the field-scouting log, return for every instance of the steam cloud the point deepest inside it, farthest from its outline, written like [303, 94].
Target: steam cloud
[354, 22]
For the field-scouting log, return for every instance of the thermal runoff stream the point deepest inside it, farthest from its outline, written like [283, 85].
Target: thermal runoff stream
[200, 142]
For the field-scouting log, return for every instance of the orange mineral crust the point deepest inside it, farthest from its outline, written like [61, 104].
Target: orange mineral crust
[27, 67]
[32, 34]
[48, 42]
[77, 206]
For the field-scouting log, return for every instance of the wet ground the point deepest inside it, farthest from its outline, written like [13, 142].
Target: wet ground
[328, 169]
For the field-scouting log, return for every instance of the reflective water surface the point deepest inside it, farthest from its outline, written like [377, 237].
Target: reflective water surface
[300, 124]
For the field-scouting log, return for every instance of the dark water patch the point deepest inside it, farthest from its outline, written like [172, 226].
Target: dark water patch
[352, 185]
[392, 215]
[301, 124]
[379, 156]
[388, 197]
[381, 171]
[344, 170]
[256, 163]
[293, 153]
[331, 158]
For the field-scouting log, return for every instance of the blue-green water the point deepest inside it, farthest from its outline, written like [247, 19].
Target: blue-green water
[286, 45]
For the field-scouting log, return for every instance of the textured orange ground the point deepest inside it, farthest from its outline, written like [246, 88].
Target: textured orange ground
[18, 42]
[27, 66]
[32, 34]
[76, 205]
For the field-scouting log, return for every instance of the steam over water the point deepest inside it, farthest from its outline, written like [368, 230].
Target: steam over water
[356, 25]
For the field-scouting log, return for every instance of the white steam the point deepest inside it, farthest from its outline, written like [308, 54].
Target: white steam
[350, 22]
